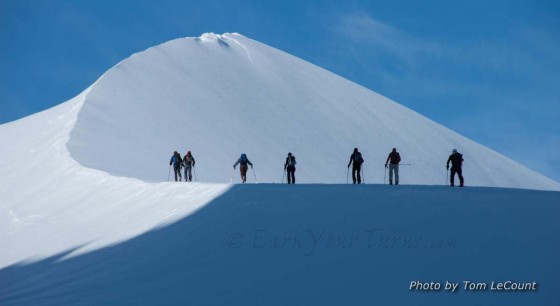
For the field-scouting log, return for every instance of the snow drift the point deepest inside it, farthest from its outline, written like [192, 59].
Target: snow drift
[50, 203]
[318, 245]
[222, 95]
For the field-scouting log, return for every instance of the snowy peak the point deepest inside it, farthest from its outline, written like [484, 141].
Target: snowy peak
[220, 95]
[90, 176]
[220, 39]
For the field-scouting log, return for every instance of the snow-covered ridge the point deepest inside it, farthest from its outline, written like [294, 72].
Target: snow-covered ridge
[83, 173]
[50, 203]
[221, 95]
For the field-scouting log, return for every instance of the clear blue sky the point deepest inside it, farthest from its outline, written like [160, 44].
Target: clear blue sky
[489, 70]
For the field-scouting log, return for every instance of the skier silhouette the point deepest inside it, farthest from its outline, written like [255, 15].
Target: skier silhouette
[290, 167]
[456, 160]
[394, 158]
[188, 163]
[356, 161]
[243, 161]
[177, 164]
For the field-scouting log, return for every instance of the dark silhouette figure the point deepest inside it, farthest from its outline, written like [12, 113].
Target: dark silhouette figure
[456, 160]
[394, 158]
[188, 163]
[290, 167]
[356, 161]
[243, 161]
[177, 163]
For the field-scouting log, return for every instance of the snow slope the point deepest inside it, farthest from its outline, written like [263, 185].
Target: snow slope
[221, 95]
[49, 202]
[272, 244]
[86, 180]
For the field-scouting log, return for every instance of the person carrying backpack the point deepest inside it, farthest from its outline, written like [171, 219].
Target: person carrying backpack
[290, 167]
[243, 161]
[394, 158]
[356, 161]
[177, 164]
[188, 163]
[456, 160]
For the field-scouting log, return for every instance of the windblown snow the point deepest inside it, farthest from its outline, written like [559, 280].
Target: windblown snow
[222, 95]
[87, 180]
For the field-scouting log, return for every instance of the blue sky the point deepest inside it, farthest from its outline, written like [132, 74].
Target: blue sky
[489, 70]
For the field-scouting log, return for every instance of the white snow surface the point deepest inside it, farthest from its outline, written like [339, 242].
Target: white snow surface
[92, 171]
[222, 95]
[316, 244]
[84, 178]
[50, 203]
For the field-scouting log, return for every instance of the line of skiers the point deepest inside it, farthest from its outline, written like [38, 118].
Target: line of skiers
[356, 160]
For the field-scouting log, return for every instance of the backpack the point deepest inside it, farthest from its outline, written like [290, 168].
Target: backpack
[177, 160]
[358, 158]
[243, 159]
[292, 161]
[187, 160]
[459, 159]
[395, 158]
[456, 160]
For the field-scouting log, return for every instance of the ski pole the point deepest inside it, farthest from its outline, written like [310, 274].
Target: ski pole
[347, 172]
[283, 173]
[256, 181]
[363, 177]
[385, 175]
[169, 173]
[231, 177]
[446, 177]
[194, 171]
